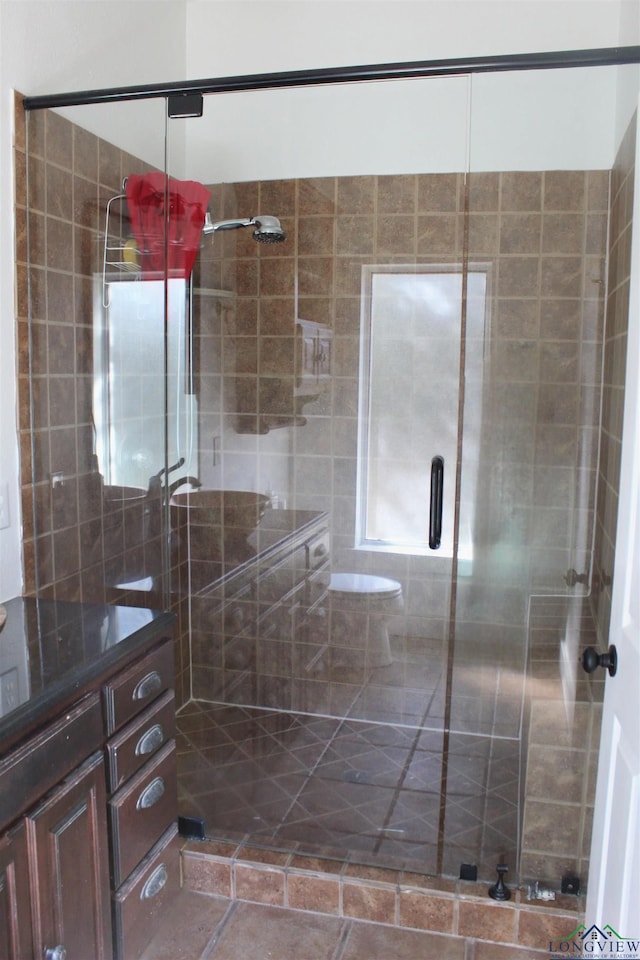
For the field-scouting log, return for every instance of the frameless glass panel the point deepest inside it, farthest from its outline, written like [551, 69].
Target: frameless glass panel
[96, 345]
[542, 150]
[318, 657]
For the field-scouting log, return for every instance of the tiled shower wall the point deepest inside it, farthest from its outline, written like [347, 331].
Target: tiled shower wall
[543, 234]
[543, 237]
[78, 542]
[615, 356]
[560, 742]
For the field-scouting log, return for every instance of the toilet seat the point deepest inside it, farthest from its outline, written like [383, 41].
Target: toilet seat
[369, 604]
[365, 585]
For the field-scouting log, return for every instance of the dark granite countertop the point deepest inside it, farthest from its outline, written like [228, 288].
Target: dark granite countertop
[51, 650]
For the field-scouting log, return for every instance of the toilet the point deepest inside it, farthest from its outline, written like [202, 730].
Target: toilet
[370, 603]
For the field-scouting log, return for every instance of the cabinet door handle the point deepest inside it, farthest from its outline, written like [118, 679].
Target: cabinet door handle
[151, 794]
[55, 953]
[151, 683]
[150, 741]
[155, 883]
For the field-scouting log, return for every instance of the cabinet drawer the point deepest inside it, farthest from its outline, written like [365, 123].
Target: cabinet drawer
[277, 580]
[27, 772]
[136, 743]
[142, 810]
[318, 586]
[318, 550]
[135, 688]
[140, 902]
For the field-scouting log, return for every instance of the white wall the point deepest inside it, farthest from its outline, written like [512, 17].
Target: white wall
[49, 47]
[227, 37]
[356, 129]
[530, 120]
[629, 77]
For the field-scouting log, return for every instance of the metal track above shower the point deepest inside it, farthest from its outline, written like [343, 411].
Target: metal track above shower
[547, 60]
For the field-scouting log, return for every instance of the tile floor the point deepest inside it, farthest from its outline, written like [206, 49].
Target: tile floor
[382, 794]
[379, 787]
[201, 927]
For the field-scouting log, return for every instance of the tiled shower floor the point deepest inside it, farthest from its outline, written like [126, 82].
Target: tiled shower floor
[376, 793]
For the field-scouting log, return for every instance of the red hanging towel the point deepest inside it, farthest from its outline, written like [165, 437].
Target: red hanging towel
[187, 203]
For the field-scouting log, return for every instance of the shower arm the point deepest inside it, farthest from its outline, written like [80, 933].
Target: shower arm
[211, 227]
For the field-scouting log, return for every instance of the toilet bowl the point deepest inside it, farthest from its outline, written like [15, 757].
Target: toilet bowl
[370, 603]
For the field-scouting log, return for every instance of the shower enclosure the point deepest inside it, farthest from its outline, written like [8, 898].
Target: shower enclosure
[448, 306]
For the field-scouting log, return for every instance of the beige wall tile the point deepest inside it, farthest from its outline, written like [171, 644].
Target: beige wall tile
[318, 894]
[486, 921]
[426, 912]
[259, 885]
[206, 875]
[367, 902]
[536, 928]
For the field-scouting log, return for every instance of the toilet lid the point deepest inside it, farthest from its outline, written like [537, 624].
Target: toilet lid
[364, 584]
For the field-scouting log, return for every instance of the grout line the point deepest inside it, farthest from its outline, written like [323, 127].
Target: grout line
[397, 793]
[307, 780]
[339, 949]
[210, 948]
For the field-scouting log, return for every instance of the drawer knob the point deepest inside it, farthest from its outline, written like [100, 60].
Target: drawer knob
[150, 741]
[151, 683]
[151, 794]
[55, 953]
[155, 883]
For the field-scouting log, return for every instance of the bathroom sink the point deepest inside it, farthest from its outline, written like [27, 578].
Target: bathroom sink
[231, 508]
[123, 495]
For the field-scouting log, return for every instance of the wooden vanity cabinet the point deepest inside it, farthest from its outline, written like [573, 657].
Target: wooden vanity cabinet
[261, 624]
[88, 818]
[16, 941]
[55, 858]
[67, 845]
[142, 799]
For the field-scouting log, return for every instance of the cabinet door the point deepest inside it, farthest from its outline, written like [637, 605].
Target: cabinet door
[68, 854]
[15, 915]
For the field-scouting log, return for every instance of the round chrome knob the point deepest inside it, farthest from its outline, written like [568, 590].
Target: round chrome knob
[55, 953]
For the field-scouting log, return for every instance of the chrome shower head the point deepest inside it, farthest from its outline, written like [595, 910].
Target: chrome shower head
[267, 229]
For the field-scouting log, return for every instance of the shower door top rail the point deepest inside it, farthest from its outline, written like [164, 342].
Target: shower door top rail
[421, 69]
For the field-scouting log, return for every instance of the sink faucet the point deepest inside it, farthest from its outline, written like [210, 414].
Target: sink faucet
[172, 487]
[155, 482]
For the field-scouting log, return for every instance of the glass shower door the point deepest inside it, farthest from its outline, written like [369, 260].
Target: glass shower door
[327, 380]
[522, 721]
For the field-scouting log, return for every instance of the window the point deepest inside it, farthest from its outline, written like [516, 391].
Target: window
[408, 405]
